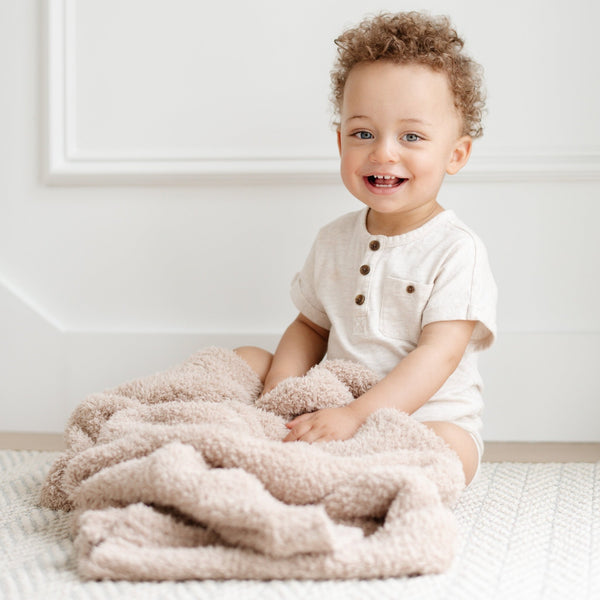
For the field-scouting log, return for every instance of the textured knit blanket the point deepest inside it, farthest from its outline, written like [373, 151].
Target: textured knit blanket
[183, 475]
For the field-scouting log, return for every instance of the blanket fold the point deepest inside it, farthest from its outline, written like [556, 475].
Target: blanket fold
[183, 475]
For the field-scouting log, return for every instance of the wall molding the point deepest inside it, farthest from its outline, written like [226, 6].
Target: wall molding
[65, 165]
[483, 169]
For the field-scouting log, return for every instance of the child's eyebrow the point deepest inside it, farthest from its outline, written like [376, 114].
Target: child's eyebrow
[417, 121]
[403, 120]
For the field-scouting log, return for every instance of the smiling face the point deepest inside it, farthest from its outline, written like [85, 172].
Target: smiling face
[399, 135]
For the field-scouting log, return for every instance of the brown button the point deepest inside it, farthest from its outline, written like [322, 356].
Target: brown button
[410, 289]
[360, 299]
[374, 245]
[365, 270]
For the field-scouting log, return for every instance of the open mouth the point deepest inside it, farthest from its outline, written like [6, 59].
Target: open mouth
[385, 181]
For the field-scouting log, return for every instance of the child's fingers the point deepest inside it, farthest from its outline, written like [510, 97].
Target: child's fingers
[292, 436]
[307, 435]
[297, 432]
[312, 436]
[298, 419]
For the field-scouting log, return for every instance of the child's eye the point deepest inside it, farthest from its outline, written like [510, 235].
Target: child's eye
[363, 135]
[411, 137]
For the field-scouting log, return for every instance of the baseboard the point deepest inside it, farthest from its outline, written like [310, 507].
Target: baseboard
[494, 451]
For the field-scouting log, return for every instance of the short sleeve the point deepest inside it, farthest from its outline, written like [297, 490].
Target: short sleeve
[304, 293]
[464, 289]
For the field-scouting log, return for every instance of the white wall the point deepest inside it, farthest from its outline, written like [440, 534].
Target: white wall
[134, 227]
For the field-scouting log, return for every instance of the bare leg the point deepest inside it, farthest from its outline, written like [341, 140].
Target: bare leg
[258, 359]
[461, 442]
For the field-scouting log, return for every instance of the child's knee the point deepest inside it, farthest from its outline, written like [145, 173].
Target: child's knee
[258, 359]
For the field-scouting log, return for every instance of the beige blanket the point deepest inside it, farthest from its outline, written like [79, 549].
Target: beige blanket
[183, 475]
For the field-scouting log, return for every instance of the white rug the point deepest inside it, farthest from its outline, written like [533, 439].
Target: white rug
[528, 531]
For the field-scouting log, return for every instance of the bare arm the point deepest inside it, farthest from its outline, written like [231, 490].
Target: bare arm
[423, 372]
[407, 387]
[302, 346]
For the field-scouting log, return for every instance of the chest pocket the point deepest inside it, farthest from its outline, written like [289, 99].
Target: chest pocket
[402, 305]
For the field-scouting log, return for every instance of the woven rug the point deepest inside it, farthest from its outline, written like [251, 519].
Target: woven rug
[527, 531]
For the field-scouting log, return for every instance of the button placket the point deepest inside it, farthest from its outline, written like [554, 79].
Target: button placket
[365, 269]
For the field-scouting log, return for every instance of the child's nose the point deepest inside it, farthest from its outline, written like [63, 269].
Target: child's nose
[385, 150]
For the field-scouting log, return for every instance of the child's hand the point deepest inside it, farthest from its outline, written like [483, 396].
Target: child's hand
[324, 425]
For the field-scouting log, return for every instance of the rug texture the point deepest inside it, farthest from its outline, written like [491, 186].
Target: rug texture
[183, 475]
[525, 532]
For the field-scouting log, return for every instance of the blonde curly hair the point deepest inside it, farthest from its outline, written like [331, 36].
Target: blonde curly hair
[413, 37]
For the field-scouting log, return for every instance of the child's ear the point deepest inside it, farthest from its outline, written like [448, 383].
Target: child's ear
[460, 154]
[339, 140]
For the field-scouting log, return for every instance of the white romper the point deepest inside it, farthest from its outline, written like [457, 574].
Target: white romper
[375, 294]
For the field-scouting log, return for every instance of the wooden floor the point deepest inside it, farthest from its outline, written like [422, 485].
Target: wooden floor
[31, 441]
[494, 451]
[537, 452]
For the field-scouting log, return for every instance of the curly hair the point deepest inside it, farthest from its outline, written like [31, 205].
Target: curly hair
[413, 37]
